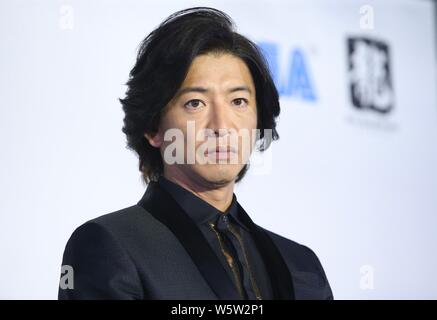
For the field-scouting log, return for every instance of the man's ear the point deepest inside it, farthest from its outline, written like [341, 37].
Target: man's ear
[154, 139]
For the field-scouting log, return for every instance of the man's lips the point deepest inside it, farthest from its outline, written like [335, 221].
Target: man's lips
[220, 149]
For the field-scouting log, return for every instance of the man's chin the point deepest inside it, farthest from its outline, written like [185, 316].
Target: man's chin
[219, 176]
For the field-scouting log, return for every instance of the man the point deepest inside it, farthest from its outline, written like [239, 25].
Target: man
[196, 90]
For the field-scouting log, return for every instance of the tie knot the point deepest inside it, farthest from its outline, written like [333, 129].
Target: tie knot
[223, 222]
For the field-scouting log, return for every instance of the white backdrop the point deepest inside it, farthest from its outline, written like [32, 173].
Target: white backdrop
[357, 186]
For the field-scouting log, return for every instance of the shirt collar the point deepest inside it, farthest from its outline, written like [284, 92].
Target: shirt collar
[198, 209]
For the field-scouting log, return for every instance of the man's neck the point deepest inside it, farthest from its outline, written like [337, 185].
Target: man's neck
[219, 197]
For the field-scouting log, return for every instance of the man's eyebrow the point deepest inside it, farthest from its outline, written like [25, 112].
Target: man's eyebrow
[240, 88]
[205, 90]
[191, 89]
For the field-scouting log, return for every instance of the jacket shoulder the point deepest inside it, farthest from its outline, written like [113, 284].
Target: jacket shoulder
[121, 216]
[103, 268]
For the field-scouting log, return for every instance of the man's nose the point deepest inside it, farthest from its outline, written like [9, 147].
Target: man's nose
[219, 119]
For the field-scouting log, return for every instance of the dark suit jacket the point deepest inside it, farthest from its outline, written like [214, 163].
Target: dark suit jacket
[153, 250]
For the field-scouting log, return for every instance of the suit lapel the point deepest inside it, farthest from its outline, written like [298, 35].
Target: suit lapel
[280, 277]
[165, 209]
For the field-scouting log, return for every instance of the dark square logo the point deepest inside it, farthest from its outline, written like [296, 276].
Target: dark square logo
[369, 74]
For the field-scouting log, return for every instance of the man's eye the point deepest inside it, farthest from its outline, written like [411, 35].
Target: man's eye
[240, 102]
[193, 104]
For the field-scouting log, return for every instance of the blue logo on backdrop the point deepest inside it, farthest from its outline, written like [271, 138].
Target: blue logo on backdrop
[297, 79]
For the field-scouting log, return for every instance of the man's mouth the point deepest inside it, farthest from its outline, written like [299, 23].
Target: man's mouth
[220, 152]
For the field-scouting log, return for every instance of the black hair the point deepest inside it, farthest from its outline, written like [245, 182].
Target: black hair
[162, 64]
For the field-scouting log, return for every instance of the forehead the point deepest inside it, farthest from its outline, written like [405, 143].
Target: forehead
[219, 68]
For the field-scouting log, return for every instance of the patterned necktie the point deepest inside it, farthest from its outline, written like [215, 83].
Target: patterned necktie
[225, 230]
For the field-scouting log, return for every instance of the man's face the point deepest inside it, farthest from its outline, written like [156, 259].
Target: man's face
[215, 106]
